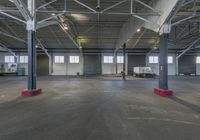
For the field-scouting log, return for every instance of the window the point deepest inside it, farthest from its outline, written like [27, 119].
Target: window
[59, 59]
[170, 59]
[108, 59]
[23, 59]
[120, 59]
[9, 59]
[153, 59]
[198, 60]
[73, 59]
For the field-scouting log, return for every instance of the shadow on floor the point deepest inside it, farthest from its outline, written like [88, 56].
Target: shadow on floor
[187, 104]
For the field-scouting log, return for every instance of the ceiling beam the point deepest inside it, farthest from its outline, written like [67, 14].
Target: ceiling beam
[153, 23]
[41, 45]
[146, 5]
[84, 5]
[7, 49]
[61, 25]
[112, 6]
[45, 24]
[46, 4]
[188, 48]
[13, 37]
[49, 18]
[23, 9]
[13, 17]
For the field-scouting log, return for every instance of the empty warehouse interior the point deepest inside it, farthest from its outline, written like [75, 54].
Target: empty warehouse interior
[99, 70]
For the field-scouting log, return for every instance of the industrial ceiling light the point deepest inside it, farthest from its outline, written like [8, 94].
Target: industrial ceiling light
[138, 30]
[155, 47]
[66, 28]
[53, 14]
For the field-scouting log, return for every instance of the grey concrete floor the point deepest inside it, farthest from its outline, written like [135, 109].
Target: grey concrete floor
[99, 109]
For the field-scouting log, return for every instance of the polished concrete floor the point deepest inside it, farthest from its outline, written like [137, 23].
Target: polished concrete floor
[99, 108]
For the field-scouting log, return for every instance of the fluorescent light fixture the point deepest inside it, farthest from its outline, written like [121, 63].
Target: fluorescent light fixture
[155, 48]
[138, 30]
[66, 28]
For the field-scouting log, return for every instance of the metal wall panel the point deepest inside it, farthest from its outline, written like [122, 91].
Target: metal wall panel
[92, 64]
[187, 65]
[135, 61]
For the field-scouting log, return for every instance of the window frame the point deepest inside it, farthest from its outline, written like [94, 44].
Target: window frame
[59, 59]
[198, 60]
[172, 58]
[108, 59]
[9, 58]
[120, 59]
[153, 60]
[25, 59]
[74, 59]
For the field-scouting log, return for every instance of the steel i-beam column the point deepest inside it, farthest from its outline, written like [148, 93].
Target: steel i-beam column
[163, 64]
[124, 64]
[31, 31]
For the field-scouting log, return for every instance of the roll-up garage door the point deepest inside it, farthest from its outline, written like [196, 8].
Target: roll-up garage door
[187, 65]
[135, 61]
[42, 65]
[92, 64]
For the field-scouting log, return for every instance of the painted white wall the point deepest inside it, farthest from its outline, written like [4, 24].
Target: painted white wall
[108, 68]
[119, 68]
[198, 67]
[2, 55]
[172, 67]
[2, 61]
[23, 65]
[66, 68]
[155, 67]
[59, 69]
[111, 68]
[73, 69]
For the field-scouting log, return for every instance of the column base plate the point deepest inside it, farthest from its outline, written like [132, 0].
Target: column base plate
[163, 92]
[29, 93]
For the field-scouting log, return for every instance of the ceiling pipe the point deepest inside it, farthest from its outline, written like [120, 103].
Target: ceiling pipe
[70, 37]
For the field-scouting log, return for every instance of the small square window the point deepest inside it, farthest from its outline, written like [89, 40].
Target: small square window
[59, 59]
[120, 59]
[108, 59]
[198, 60]
[170, 60]
[153, 59]
[23, 59]
[73, 59]
[9, 59]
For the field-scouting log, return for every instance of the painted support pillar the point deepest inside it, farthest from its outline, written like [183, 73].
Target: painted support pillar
[177, 66]
[32, 60]
[116, 64]
[31, 41]
[163, 66]
[124, 64]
